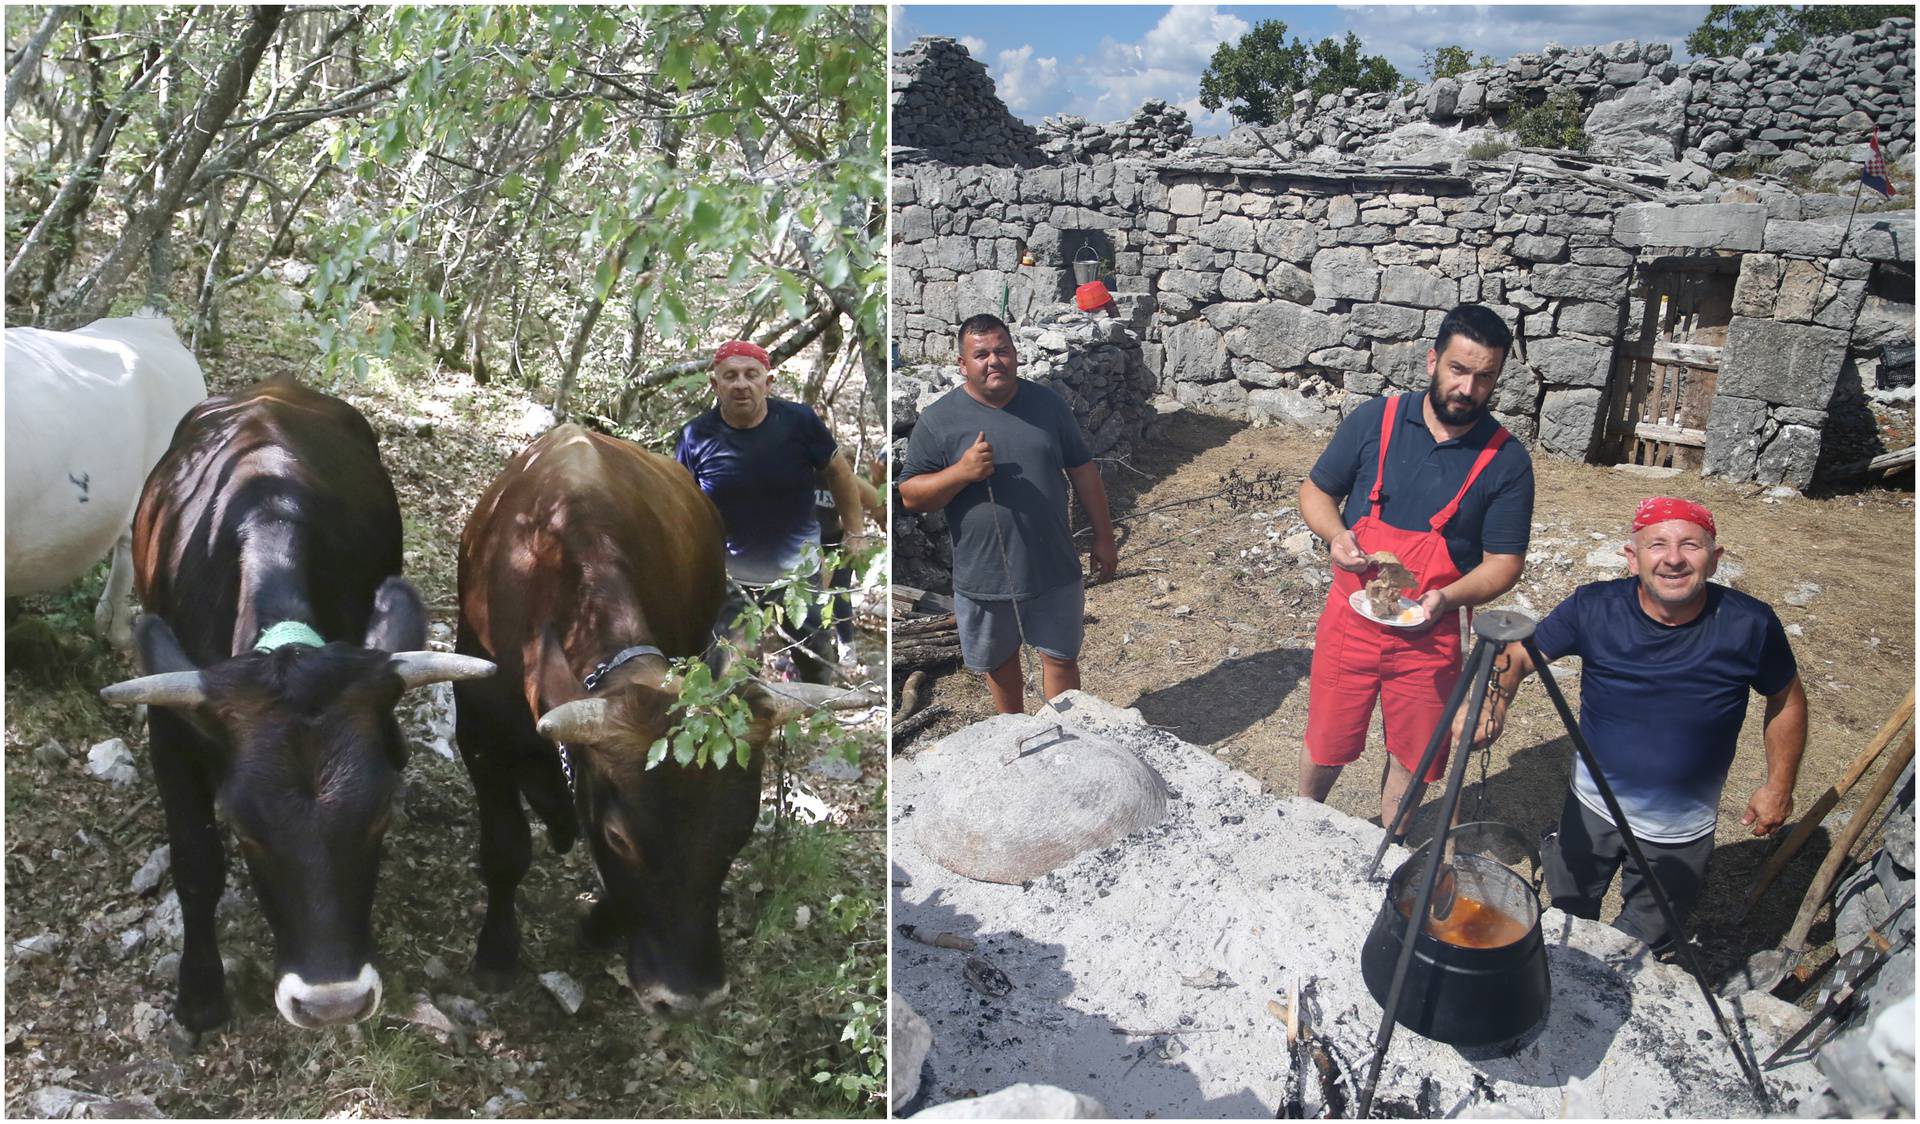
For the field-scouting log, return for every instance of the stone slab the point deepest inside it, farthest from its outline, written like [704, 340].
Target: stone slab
[1703, 226]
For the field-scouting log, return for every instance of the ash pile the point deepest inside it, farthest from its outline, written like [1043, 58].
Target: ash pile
[1200, 956]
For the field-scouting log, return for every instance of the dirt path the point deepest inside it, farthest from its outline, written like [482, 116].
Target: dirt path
[1209, 631]
[803, 920]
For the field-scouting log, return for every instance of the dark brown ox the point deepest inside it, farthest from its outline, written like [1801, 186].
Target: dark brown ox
[588, 551]
[275, 644]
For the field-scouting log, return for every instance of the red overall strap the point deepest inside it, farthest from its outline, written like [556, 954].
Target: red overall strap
[1485, 458]
[1380, 470]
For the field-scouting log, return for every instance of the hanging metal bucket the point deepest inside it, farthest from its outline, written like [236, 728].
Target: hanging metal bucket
[1490, 988]
[1086, 266]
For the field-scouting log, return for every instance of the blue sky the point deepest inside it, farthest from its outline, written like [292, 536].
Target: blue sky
[1102, 61]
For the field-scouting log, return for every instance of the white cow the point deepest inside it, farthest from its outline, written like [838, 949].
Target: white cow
[89, 412]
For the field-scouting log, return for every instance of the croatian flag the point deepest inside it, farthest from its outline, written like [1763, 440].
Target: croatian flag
[1875, 175]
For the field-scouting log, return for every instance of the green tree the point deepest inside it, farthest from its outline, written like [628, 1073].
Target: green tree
[1450, 60]
[1730, 29]
[1257, 77]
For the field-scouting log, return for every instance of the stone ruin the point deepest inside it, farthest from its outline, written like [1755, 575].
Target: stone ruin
[1155, 129]
[1664, 314]
[1791, 113]
[1152, 974]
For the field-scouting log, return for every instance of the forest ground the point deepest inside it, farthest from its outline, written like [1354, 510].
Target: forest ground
[87, 1001]
[1208, 630]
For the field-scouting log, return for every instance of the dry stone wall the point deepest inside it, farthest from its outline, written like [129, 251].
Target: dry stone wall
[1791, 112]
[1291, 292]
[945, 108]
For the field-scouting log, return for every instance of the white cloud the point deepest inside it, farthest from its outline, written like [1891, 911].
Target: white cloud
[1025, 83]
[976, 46]
[1166, 63]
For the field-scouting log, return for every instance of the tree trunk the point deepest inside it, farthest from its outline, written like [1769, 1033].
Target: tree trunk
[585, 331]
[29, 61]
[91, 295]
[57, 227]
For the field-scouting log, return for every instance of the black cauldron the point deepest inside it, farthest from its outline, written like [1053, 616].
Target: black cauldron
[1455, 994]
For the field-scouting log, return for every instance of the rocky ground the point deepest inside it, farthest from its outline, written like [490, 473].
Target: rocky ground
[1209, 629]
[93, 929]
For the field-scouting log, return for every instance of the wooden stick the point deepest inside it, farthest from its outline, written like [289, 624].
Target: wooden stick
[1836, 858]
[1826, 803]
[904, 730]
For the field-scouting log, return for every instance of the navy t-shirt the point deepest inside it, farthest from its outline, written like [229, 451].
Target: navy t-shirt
[1496, 514]
[1662, 705]
[762, 480]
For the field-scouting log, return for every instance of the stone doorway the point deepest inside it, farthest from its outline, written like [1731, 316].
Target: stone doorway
[1664, 374]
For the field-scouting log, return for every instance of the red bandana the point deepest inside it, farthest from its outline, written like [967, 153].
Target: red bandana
[741, 347]
[1659, 509]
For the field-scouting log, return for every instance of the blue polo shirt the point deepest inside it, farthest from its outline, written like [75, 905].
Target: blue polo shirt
[1423, 475]
[762, 480]
[1662, 705]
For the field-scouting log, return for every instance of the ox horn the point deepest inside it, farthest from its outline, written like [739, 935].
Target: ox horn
[790, 699]
[581, 720]
[417, 669]
[168, 688]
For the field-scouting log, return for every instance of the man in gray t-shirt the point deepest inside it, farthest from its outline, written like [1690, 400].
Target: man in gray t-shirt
[997, 454]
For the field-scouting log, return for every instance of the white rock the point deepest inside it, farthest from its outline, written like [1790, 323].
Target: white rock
[57, 1102]
[37, 946]
[1020, 1102]
[1803, 594]
[147, 878]
[1607, 558]
[112, 761]
[910, 1039]
[564, 991]
[507, 1097]
[50, 753]
[166, 922]
[834, 767]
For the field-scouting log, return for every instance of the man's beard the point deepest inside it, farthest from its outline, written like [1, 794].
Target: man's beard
[1448, 412]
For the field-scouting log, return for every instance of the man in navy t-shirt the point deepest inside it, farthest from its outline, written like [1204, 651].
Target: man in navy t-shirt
[759, 459]
[1667, 660]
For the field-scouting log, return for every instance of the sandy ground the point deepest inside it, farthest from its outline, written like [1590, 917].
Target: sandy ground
[1208, 630]
[1143, 971]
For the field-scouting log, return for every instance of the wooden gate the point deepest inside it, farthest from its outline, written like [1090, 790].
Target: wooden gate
[1663, 376]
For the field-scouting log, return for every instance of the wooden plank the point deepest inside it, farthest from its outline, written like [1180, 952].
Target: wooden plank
[1699, 356]
[1671, 434]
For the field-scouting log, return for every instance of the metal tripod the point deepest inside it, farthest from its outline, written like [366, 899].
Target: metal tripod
[1495, 629]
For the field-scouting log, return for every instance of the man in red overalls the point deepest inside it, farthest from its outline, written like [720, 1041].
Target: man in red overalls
[1435, 480]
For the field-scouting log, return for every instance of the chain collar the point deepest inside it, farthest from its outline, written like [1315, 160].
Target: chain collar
[592, 681]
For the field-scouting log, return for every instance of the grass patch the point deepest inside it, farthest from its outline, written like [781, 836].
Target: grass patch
[797, 1037]
[1488, 150]
[373, 1070]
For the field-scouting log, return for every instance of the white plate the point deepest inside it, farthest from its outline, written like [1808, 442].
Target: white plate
[1419, 619]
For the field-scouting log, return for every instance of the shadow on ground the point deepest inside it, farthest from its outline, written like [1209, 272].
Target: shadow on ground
[1228, 698]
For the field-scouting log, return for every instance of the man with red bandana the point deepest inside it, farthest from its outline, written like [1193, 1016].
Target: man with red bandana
[759, 458]
[1433, 479]
[1667, 660]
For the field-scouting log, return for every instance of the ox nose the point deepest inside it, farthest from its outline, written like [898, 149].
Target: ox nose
[312, 1005]
[660, 999]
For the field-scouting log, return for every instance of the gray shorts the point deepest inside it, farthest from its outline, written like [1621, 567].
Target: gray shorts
[1054, 623]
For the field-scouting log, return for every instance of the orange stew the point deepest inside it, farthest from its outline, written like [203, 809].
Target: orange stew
[1473, 924]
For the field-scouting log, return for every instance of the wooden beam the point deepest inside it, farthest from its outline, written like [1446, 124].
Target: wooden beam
[1698, 355]
[1671, 434]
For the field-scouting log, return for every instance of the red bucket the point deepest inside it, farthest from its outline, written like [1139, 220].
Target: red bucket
[1092, 295]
